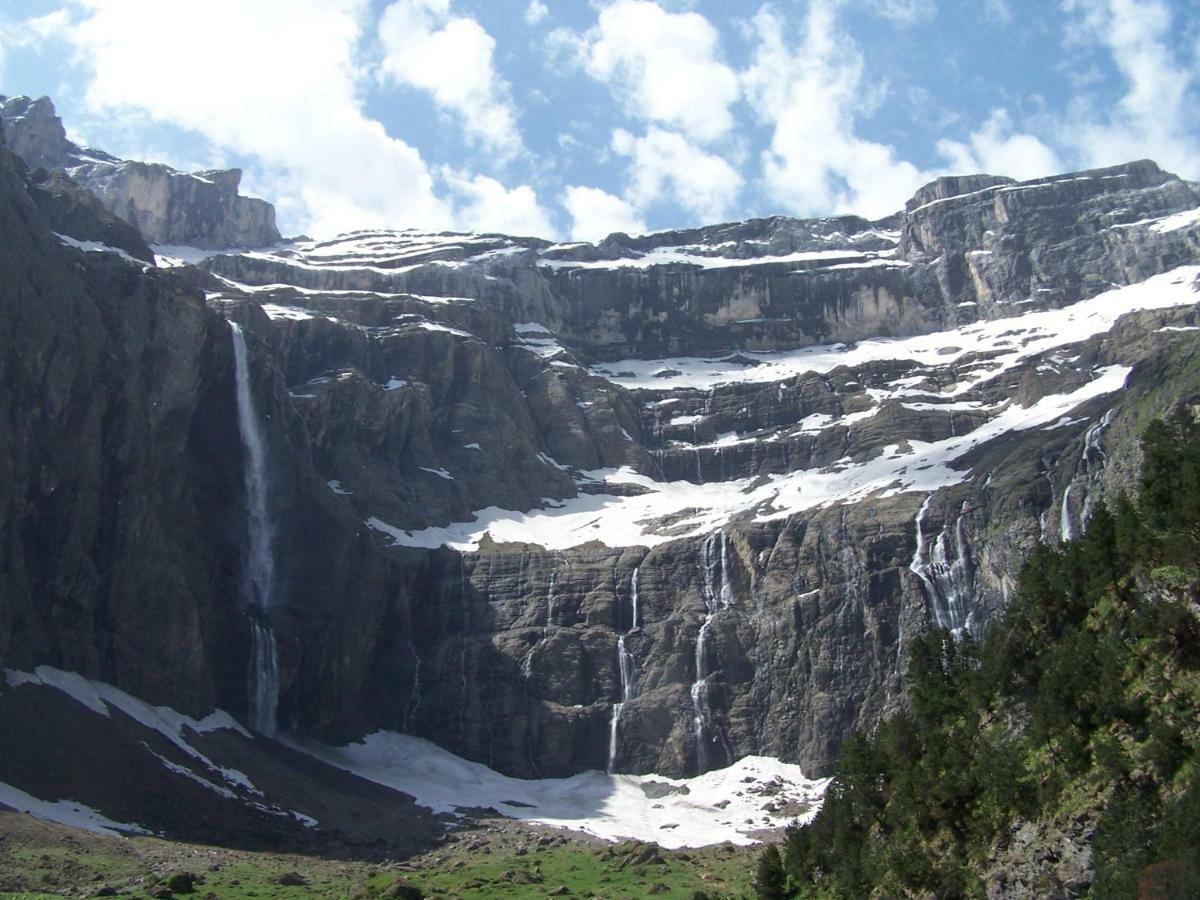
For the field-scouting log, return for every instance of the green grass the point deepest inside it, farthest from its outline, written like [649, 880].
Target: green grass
[517, 865]
[603, 872]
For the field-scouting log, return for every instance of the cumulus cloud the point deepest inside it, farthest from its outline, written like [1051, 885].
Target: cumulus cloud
[595, 214]
[665, 68]
[812, 97]
[1155, 117]
[31, 32]
[997, 149]
[665, 165]
[452, 58]
[487, 205]
[292, 103]
[291, 100]
[535, 12]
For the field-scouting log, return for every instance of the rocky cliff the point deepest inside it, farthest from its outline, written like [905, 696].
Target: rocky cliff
[652, 504]
[676, 499]
[200, 209]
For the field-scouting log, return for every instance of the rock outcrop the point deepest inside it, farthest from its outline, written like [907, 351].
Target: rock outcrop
[199, 209]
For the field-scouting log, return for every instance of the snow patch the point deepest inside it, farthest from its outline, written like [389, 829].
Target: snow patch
[1041, 331]
[66, 812]
[757, 792]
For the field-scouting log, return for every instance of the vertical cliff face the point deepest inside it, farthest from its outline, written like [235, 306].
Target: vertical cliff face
[116, 491]
[504, 416]
[125, 539]
[648, 505]
[200, 209]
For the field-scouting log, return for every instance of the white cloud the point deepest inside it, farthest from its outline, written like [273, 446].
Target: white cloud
[535, 12]
[487, 205]
[812, 97]
[665, 67]
[1156, 115]
[904, 12]
[450, 57]
[996, 149]
[292, 102]
[31, 33]
[289, 99]
[664, 164]
[595, 214]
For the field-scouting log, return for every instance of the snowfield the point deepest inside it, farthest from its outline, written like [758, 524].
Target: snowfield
[664, 511]
[691, 509]
[758, 793]
[731, 804]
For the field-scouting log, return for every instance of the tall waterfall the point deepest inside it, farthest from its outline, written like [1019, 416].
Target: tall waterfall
[945, 573]
[625, 670]
[259, 570]
[717, 594]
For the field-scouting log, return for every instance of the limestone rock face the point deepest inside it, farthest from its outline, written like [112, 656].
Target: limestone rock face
[75, 212]
[200, 209]
[651, 504]
[459, 389]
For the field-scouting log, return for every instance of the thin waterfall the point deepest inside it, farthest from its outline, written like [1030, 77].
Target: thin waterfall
[633, 592]
[259, 570]
[414, 698]
[1066, 528]
[550, 595]
[1092, 462]
[625, 670]
[717, 593]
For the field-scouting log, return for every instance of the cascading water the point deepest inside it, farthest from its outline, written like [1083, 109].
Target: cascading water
[414, 698]
[259, 570]
[947, 577]
[717, 594]
[1066, 527]
[633, 598]
[1090, 464]
[625, 670]
[550, 597]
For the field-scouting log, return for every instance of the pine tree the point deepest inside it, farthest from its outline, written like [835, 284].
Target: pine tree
[771, 881]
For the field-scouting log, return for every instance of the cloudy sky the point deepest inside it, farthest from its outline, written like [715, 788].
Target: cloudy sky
[575, 118]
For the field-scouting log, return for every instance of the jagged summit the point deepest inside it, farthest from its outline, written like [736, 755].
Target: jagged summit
[201, 209]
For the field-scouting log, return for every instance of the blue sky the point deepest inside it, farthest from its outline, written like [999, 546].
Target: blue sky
[573, 119]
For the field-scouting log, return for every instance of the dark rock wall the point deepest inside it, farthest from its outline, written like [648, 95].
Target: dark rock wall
[122, 509]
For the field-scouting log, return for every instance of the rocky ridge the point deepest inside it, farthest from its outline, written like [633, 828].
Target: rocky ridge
[650, 505]
[201, 209]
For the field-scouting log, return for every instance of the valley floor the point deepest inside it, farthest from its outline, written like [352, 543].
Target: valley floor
[491, 858]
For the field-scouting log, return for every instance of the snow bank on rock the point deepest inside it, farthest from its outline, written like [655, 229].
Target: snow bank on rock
[665, 511]
[729, 804]
[1011, 339]
[66, 812]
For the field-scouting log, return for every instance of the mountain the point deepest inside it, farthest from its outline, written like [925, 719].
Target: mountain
[200, 209]
[653, 505]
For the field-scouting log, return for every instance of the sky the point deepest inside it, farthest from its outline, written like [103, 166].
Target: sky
[572, 119]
